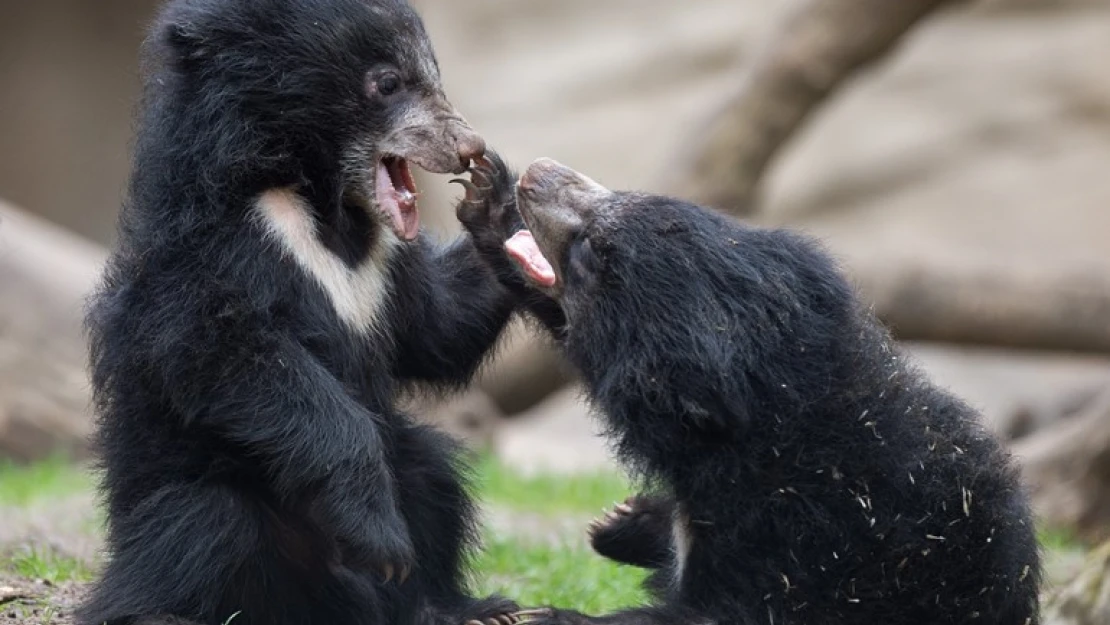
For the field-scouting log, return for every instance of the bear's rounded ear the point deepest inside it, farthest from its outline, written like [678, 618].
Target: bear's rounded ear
[186, 43]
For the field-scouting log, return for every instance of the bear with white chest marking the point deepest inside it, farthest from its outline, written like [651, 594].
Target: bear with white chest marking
[269, 297]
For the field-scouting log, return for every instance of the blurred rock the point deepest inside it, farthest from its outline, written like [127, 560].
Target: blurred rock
[968, 153]
[472, 417]
[1018, 392]
[44, 395]
[1067, 468]
[556, 435]
[526, 369]
[68, 86]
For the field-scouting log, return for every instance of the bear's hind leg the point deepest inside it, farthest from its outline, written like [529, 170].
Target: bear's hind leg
[441, 519]
[211, 553]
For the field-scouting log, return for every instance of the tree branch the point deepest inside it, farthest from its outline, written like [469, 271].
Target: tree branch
[818, 48]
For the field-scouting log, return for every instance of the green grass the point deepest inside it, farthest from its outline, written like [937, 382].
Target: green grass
[554, 571]
[566, 576]
[21, 485]
[1058, 539]
[44, 563]
[535, 571]
[547, 494]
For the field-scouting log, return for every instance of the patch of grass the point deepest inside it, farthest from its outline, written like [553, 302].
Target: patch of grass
[552, 572]
[1058, 539]
[23, 484]
[561, 575]
[547, 494]
[33, 562]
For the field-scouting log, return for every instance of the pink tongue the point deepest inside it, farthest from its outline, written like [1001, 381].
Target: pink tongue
[522, 248]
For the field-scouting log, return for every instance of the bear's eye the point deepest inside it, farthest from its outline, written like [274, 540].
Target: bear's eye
[388, 83]
[384, 81]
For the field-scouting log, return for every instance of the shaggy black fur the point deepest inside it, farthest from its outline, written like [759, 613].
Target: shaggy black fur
[802, 470]
[254, 462]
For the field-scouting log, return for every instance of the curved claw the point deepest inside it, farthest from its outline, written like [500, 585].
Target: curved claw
[406, 570]
[481, 176]
[471, 189]
[387, 572]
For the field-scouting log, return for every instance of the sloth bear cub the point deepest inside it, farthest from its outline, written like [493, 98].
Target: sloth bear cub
[800, 469]
[270, 295]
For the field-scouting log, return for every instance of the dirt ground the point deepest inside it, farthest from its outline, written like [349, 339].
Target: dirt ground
[68, 526]
[34, 602]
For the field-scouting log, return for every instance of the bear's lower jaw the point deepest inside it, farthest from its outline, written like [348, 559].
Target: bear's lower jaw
[395, 196]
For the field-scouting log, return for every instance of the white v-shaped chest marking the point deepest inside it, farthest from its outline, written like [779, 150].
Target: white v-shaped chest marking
[358, 294]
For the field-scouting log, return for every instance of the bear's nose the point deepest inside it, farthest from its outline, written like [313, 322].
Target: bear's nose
[470, 146]
[539, 174]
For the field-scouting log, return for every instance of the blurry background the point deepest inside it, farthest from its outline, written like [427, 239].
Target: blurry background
[955, 155]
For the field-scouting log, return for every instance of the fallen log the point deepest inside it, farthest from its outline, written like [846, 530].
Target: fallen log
[1069, 312]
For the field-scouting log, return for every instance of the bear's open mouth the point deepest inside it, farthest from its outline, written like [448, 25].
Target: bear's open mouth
[395, 192]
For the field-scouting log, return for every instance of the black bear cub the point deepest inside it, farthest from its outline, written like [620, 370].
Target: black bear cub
[270, 296]
[799, 469]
